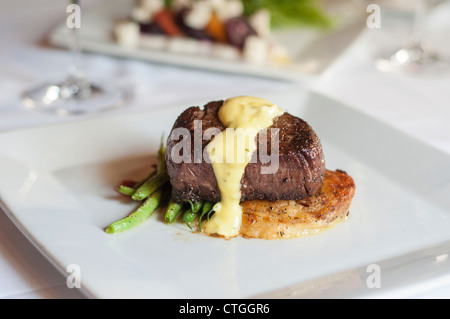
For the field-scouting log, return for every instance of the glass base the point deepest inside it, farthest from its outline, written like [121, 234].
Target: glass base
[412, 60]
[74, 96]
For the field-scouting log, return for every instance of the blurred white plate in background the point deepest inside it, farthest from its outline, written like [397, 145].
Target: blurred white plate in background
[311, 49]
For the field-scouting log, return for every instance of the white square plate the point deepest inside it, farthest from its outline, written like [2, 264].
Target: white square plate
[312, 50]
[58, 184]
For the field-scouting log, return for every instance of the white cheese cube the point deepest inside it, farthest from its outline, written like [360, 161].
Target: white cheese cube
[152, 5]
[217, 4]
[230, 9]
[127, 33]
[256, 50]
[141, 14]
[199, 15]
[260, 22]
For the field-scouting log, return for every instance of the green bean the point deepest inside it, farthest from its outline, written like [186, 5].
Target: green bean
[125, 190]
[149, 186]
[191, 214]
[172, 212]
[206, 210]
[128, 190]
[195, 206]
[161, 167]
[142, 181]
[144, 211]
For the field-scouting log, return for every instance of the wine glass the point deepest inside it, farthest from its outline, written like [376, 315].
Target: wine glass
[414, 57]
[75, 94]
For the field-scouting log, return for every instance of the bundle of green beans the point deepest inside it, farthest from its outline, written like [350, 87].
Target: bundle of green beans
[152, 191]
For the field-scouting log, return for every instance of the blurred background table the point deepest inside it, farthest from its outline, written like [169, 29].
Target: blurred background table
[415, 105]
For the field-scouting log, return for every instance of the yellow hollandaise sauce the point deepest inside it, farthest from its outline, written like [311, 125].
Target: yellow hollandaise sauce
[230, 152]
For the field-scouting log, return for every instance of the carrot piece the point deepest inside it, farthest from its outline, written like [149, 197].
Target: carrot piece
[216, 29]
[165, 20]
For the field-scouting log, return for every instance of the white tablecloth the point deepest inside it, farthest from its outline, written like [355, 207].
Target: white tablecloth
[418, 106]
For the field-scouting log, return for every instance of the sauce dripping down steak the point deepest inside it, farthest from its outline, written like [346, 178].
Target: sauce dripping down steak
[301, 164]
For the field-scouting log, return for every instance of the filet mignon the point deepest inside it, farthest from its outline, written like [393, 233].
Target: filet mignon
[301, 164]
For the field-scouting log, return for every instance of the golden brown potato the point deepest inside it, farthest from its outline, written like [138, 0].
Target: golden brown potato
[288, 218]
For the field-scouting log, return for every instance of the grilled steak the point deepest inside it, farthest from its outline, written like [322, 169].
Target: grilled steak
[301, 164]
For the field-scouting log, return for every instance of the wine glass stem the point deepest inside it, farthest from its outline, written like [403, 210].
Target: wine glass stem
[75, 70]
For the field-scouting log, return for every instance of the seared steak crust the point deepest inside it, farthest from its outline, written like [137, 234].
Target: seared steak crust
[301, 165]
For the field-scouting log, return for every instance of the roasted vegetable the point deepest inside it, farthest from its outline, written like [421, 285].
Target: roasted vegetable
[237, 30]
